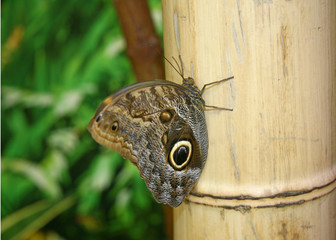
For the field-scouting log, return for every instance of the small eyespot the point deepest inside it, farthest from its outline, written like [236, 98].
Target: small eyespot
[180, 154]
[99, 117]
[166, 115]
[164, 138]
[114, 127]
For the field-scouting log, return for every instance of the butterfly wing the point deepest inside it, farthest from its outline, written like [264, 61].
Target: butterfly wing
[160, 127]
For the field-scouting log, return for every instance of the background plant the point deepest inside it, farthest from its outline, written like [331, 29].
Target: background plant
[59, 60]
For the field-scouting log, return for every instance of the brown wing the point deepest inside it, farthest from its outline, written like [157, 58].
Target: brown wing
[160, 127]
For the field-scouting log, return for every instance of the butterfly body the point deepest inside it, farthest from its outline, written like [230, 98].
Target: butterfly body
[160, 127]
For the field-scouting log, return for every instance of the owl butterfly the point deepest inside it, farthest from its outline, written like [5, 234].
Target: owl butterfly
[160, 127]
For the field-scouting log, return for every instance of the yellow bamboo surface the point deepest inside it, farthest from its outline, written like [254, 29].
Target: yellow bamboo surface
[271, 166]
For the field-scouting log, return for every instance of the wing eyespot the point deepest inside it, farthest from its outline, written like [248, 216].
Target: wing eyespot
[164, 138]
[114, 126]
[180, 154]
[98, 118]
[166, 115]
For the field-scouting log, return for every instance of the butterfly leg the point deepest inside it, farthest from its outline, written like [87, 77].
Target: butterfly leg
[209, 108]
[216, 82]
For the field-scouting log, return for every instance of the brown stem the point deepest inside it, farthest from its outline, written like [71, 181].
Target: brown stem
[145, 52]
[143, 44]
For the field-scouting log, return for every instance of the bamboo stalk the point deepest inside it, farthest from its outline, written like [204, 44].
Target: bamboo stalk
[271, 167]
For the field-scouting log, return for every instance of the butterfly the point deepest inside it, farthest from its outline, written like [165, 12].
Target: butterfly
[160, 127]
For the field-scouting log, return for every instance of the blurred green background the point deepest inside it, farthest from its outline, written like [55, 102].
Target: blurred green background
[59, 60]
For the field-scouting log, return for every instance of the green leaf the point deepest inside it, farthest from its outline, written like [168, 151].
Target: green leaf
[35, 174]
[98, 178]
[25, 222]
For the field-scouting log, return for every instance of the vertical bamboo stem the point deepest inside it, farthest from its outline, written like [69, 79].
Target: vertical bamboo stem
[271, 167]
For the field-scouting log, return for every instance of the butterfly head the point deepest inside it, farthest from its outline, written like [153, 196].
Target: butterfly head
[188, 81]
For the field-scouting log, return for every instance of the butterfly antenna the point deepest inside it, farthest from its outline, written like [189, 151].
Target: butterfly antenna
[178, 71]
[182, 71]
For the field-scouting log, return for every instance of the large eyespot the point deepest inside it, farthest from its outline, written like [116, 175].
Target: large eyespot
[114, 127]
[99, 117]
[180, 154]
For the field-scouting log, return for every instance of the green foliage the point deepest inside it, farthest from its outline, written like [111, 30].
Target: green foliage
[60, 59]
